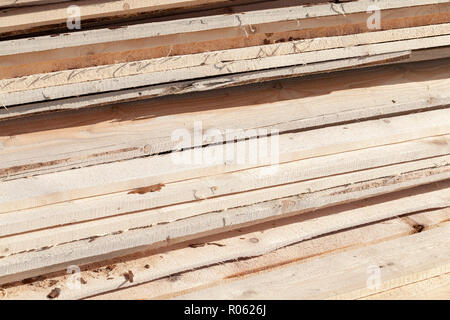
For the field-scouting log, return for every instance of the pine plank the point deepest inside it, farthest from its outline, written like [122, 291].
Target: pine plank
[18, 65]
[189, 281]
[219, 68]
[435, 288]
[54, 258]
[318, 51]
[405, 260]
[143, 172]
[302, 171]
[200, 24]
[221, 256]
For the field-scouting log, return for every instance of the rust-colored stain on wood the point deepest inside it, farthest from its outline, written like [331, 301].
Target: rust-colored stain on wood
[144, 190]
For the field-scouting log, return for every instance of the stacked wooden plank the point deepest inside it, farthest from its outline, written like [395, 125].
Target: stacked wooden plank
[241, 147]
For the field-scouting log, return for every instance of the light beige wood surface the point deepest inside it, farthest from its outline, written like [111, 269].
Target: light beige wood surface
[238, 244]
[60, 141]
[303, 171]
[200, 24]
[344, 275]
[185, 196]
[197, 279]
